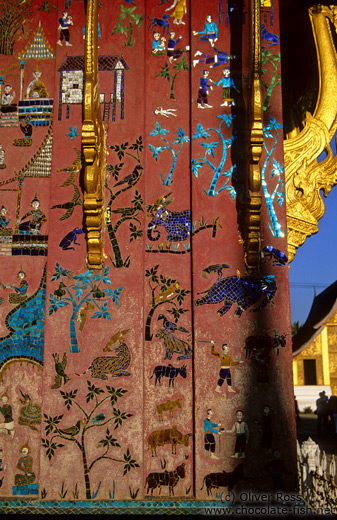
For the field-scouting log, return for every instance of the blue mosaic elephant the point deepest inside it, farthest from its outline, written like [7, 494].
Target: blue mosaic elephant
[244, 291]
[176, 223]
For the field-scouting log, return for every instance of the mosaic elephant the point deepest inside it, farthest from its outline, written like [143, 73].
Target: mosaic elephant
[244, 291]
[176, 223]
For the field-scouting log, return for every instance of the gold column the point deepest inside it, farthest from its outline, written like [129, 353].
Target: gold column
[325, 357]
[252, 234]
[295, 372]
[93, 143]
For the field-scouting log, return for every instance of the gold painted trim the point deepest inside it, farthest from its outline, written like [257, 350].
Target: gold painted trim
[304, 176]
[93, 143]
[252, 233]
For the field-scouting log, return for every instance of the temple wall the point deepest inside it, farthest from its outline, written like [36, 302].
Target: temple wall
[108, 375]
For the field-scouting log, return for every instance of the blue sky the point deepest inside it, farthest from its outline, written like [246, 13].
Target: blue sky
[315, 263]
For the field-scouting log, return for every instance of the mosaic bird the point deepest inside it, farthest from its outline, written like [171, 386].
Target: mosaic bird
[74, 168]
[129, 179]
[99, 418]
[215, 268]
[72, 430]
[166, 295]
[119, 336]
[59, 292]
[160, 203]
[169, 325]
[60, 367]
[125, 212]
[70, 206]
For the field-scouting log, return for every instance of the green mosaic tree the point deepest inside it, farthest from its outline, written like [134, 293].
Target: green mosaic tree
[164, 291]
[127, 213]
[170, 76]
[13, 15]
[128, 14]
[89, 421]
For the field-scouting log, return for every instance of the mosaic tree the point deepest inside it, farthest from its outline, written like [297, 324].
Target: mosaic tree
[128, 14]
[271, 132]
[86, 287]
[267, 57]
[156, 150]
[164, 291]
[170, 76]
[208, 158]
[102, 412]
[13, 16]
[130, 213]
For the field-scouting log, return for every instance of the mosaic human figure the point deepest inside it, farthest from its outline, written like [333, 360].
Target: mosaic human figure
[210, 31]
[210, 430]
[2, 157]
[7, 425]
[172, 52]
[226, 82]
[202, 99]
[37, 217]
[64, 23]
[241, 431]
[214, 60]
[179, 11]
[20, 294]
[36, 88]
[225, 372]
[7, 97]
[25, 464]
[266, 429]
[158, 45]
[3, 219]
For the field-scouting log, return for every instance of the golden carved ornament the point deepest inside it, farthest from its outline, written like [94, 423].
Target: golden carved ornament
[251, 232]
[93, 143]
[304, 176]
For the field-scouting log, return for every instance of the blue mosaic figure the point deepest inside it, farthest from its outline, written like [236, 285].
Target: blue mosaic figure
[227, 83]
[176, 223]
[244, 291]
[20, 294]
[210, 31]
[202, 99]
[24, 483]
[210, 430]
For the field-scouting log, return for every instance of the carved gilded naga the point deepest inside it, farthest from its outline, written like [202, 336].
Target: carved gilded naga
[252, 234]
[305, 177]
[93, 143]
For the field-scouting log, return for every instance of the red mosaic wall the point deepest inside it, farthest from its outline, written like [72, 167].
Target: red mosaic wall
[107, 377]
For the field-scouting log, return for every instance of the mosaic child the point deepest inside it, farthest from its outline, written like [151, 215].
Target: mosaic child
[226, 363]
[226, 82]
[65, 22]
[210, 430]
[25, 464]
[241, 431]
[202, 99]
[210, 31]
[7, 426]
[37, 218]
